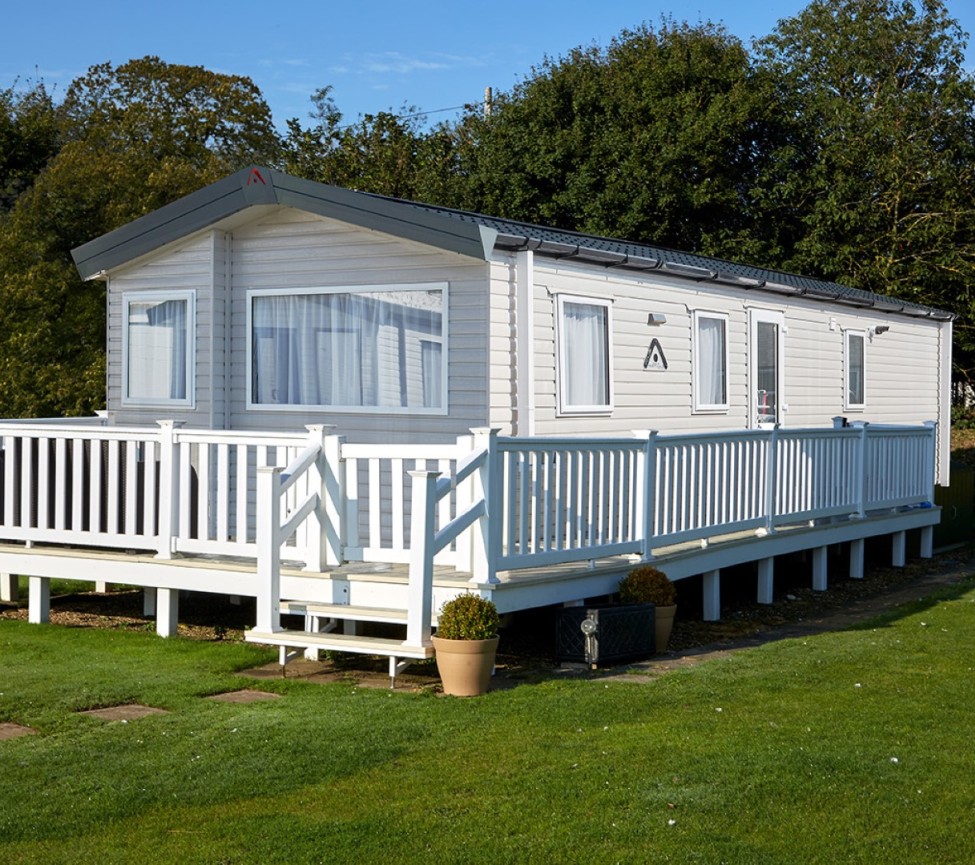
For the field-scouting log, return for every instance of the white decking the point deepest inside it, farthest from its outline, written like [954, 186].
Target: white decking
[347, 533]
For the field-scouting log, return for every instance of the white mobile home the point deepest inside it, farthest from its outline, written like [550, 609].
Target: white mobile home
[264, 309]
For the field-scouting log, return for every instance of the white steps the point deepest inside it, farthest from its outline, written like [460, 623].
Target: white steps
[339, 643]
[321, 634]
[342, 611]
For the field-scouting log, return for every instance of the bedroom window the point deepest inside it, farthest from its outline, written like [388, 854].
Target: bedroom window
[710, 359]
[856, 394]
[585, 369]
[374, 350]
[157, 348]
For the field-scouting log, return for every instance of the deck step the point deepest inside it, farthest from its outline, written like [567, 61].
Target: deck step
[342, 611]
[339, 643]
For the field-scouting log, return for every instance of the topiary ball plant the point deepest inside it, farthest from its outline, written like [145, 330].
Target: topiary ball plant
[468, 617]
[647, 585]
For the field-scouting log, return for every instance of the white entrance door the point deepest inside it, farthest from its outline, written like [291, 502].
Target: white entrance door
[765, 367]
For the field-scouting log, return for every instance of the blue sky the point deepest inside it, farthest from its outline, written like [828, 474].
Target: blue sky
[376, 54]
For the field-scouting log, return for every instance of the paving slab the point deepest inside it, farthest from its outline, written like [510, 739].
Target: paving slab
[246, 695]
[125, 712]
[15, 731]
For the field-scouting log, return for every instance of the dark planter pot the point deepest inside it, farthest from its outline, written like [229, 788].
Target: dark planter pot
[616, 633]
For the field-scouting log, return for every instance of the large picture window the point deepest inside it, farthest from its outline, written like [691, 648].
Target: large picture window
[585, 368]
[710, 361]
[379, 349]
[856, 396]
[157, 348]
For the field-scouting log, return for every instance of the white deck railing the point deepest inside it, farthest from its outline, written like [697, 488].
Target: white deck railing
[483, 504]
[548, 500]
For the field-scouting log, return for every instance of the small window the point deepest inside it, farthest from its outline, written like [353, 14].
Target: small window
[585, 370]
[157, 348]
[710, 360]
[856, 394]
[375, 349]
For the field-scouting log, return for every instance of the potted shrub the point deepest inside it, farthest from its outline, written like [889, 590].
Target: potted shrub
[646, 584]
[466, 643]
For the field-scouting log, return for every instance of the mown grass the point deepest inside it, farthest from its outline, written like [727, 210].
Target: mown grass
[845, 747]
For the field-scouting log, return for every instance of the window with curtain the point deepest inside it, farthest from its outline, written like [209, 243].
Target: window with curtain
[855, 375]
[710, 374]
[157, 348]
[585, 373]
[379, 350]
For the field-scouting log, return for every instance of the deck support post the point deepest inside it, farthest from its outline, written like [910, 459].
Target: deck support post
[898, 549]
[927, 542]
[488, 484]
[647, 502]
[420, 604]
[167, 612]
[9, 587]
[101, 587]
[39, 599]
[819, 569]
[712, 596]
[168, 503]
[766, 579]
[148, 602]
[464, 494]
[856, 558]
[268, 549]
[326, 547]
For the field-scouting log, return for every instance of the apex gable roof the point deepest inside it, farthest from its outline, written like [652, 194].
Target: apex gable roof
[471, 234]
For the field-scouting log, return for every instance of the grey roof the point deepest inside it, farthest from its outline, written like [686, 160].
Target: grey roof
[471, 234]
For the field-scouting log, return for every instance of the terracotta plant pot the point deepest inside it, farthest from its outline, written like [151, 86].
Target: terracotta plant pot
[664, 625]
[465, 665]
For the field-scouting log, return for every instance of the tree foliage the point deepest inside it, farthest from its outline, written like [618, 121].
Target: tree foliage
[657, 138]
[884, 128]
[29, 138]
[385, 153]
[132, 138]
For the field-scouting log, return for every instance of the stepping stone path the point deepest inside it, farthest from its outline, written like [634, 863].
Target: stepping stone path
[126, 712]
[247, 695]
[14, 731]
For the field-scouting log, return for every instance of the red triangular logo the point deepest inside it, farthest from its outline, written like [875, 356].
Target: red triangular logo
[255, 177]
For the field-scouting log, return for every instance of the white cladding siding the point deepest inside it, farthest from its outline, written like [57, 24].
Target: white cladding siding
[292, 249]
[902, 364]
[187, 266]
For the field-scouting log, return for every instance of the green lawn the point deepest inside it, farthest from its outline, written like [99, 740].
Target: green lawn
[847, 747]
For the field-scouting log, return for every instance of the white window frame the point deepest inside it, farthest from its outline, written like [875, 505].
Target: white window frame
[766, 316]
[699, 404]
[848, 405]
[565, 408]
[189, 296]
[440, 410]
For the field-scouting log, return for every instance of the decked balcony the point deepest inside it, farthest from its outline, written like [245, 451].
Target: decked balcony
[341, 533]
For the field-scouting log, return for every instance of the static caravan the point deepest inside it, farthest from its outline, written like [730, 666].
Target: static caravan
[547, 399]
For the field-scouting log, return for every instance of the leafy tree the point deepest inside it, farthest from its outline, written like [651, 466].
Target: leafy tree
[387, 153]
[134, 138]
[883, 182]
[28, 139]
[660, 137]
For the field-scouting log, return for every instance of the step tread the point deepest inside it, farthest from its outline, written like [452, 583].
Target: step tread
[339, 643]
[343, 611]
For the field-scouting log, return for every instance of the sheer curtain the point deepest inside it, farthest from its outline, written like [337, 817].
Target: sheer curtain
[342, 349]
[585, 354]
[157, 350]
[711, 354]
